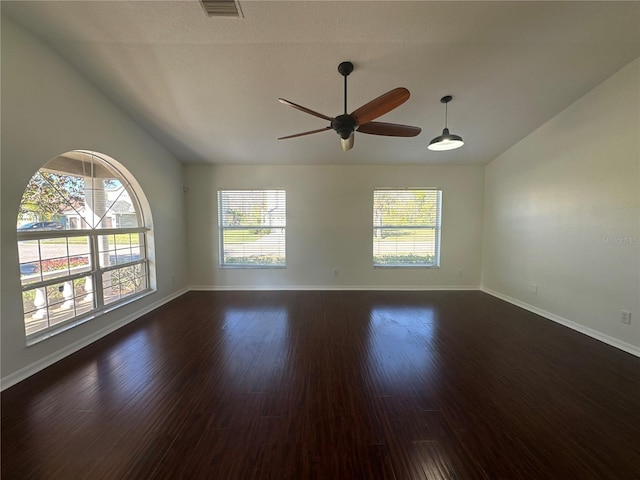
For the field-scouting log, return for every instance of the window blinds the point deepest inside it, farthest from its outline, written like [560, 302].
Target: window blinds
[252, 228]
[406, 227]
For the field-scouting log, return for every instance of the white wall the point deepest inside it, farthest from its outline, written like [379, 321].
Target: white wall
[329, 225]
[49, 109]
[562, 212]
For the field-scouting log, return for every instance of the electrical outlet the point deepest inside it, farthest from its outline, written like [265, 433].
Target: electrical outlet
[336, 272]
[625, 317]
[533, 288]
[460, 273]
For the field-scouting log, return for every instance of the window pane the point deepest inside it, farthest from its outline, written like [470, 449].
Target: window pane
[123, 282]
[49, 200]
[54, 304]
[29, 302]
[123, 251]
[120, 208]
[28, 253]
[120, 248]
[404, 247]
[406, 227]
[35, 310]
[252, 227]
[79, 264]
[254, 247]
[106, 249]
[138, 248]
[252, 208]
[49, 258]
[54, 258]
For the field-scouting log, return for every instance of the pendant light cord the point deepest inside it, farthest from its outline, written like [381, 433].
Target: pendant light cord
[446, 115]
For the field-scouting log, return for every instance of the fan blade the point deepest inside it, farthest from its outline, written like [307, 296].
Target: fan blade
[305, 133]
[381, 105]
[389, 129]
[304, 109]
[347, 144]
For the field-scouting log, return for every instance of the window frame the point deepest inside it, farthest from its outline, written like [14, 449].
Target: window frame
[222, 228]
[95, 302]
[436, 228]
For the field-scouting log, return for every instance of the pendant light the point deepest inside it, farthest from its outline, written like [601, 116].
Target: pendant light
[446, 141]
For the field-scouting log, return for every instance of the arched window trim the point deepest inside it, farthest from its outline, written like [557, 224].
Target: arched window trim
[104, 266]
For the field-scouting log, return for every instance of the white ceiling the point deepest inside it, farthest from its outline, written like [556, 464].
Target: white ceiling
[207, 88]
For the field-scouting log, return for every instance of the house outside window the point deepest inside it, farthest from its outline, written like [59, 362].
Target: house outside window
[252, 228]
[406, 227]
[122, 213]
[82, 242]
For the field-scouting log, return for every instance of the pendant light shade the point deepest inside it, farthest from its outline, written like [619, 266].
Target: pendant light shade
[446, 141]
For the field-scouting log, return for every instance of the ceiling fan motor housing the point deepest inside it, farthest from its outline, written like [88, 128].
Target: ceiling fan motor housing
[344, 125]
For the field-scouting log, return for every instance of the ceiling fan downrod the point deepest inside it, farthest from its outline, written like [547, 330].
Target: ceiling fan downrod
[345, 68]
[344, 124]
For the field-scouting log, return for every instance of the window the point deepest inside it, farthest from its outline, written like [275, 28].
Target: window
[406, 227]
[252, 228]
[82, 242]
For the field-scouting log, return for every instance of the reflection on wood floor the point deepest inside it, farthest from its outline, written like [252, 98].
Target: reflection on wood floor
[330, 385]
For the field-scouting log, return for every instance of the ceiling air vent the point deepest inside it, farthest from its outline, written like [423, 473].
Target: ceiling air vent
[222, 8]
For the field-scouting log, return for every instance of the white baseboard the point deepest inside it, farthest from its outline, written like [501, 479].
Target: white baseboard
[49, 360]
[224, 288]
[614, 342]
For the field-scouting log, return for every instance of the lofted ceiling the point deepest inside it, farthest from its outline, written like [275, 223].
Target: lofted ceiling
[207, 88]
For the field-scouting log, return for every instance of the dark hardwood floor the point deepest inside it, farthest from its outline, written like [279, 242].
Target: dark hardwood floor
[330, 385]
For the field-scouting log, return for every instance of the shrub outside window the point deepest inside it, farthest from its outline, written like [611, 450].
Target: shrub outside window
[406, 227]
[252, 228]
[82, 243]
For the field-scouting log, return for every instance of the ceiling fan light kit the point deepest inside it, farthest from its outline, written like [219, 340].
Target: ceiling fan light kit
[446, 141]
[360, 120]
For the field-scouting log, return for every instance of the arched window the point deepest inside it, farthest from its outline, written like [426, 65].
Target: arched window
[82, 242]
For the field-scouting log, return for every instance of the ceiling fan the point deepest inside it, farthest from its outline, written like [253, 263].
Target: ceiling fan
[360, 119]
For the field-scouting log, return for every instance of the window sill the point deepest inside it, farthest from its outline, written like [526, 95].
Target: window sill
[260, 267]
[38, 337]
[406, 266]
